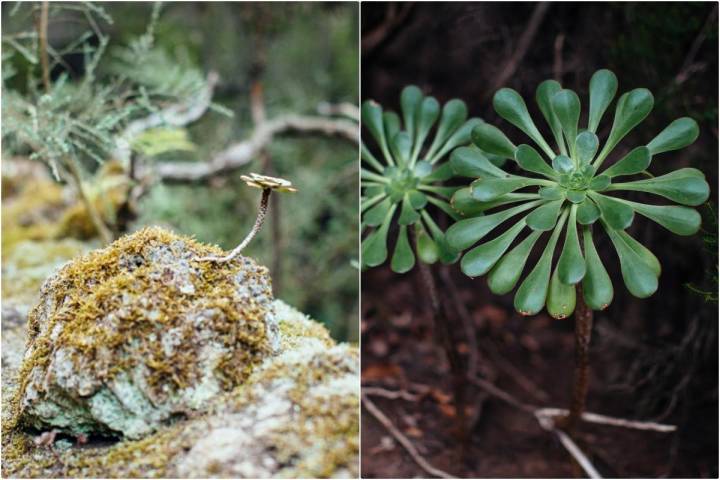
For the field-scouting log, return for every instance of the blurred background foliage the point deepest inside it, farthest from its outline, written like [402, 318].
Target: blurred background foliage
[302, 54]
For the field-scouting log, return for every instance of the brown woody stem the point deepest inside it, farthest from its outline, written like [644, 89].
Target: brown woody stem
[262, 212]
[583, 330]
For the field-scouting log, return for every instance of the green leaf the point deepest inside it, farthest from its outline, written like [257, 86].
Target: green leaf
[427, 114]
[551, 193]
[510, 105]
[544, 217]
[377, 214]
[505, 274]
[445, 207]
[408, 215]
[576, 196]
[563, 164]
[560, 297]
[482, 258]
[453, 116]
[597, 286]
[410, 100]
[639, 277]
[469, 231]
[686, 186]
[422, 169]
[427, 250]
[631, 109]
[679, 134]
[440, 174]
[599, 183]
[391, 121]
[460, 137]
[587, 212]
[637, 161]
[417, 199]
[530, 297]
[603, 87]
[403, 259]
[586, 146]
[400, 147]
[615, 212]
[372, 118]
[571, 264]
[446, 253]
[566, 106]
[467, 206]
[643, 252]
[471, 162]
[679, 220]
[530, 160]
[543, 94]
[368, 157]
[492, 140]
[374, 246]
[487, 189]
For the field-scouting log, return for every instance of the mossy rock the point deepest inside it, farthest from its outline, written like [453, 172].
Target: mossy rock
[129, 337]
[295, 416]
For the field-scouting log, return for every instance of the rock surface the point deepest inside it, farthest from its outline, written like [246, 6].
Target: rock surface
[128, 337]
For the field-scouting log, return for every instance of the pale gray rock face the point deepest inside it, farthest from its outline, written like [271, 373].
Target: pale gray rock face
[137, 334]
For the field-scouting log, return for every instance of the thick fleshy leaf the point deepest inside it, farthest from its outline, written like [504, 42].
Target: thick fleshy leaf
[530, 297]
[482, 258]
[422, 169]
[686, 186]
[417, 199]
[599, 183]
[469, 231]
[679, 220]
[576, 196]
[440, 174]
[639, 277]
[445, 207]
[377, 214]
[571, 264]
[563, 164]
[679, 134]
[446, 253]
[510, 105]
[586, 146]
[403, 259]
[505, 274]
[492, 140]
[487, 189]
[587, 212]
[453, 116]
[530, 160]
[631, 109]
[467, 206]
[374, 246]
[543, 94]
[648, 257]
[460, 137]
[471, 162]
[552, 193]
[545, 217]
[597, 286]
[566, 105]
[410, 100]
[391, 121]
[631, 164]
[427, 249]
[400, 147]
[427, 114]
[615, 212]
[408, 215]
[372, 118]
[603, 87]
[560, 297]
[368, 157]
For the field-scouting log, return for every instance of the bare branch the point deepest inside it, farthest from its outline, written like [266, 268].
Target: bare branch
[605, 420]
[391, 394]
[243, 152]
[402, 439]
[344, 109]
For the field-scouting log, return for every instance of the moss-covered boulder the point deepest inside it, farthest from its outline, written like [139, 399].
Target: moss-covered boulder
[135, 335]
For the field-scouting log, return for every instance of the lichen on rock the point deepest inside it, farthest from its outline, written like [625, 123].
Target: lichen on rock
[132, 336]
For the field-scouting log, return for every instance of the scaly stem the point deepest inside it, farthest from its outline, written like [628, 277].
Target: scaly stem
[583, 330]
[95, 217]
[443, 330]
[262, 212]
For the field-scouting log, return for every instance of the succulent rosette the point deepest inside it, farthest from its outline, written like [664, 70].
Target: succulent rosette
[569, 191]
[405, 177]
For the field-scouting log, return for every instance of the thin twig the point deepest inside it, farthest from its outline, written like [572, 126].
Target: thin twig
[468, 325]
[391, 394]
[43, 44]
[571, 447]
[687, 66]
[95, 217]
[613, 421]
[558, 57]
[402, 439]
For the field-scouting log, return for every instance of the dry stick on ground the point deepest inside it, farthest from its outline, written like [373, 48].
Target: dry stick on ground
[392, 395]
[242, 153]
[521, 49]
[402, 439]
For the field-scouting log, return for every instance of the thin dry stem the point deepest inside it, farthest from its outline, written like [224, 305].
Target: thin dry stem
[95, 218]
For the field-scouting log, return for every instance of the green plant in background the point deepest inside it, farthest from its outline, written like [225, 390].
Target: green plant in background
[410, 179]
[570, 191]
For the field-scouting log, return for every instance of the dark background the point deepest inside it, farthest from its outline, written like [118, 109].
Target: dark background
[651, 359]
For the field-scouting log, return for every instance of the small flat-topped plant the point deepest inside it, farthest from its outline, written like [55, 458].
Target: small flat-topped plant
[569, 191]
